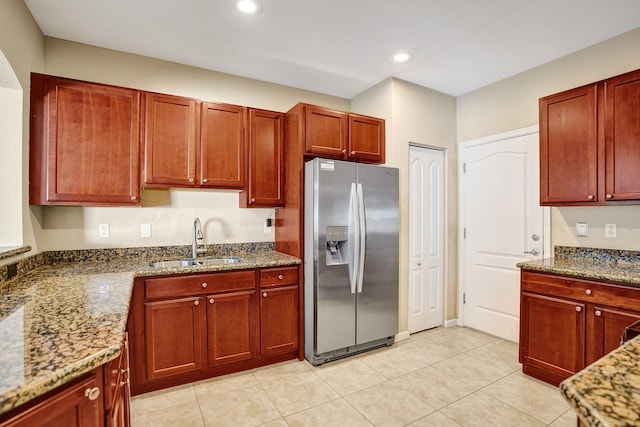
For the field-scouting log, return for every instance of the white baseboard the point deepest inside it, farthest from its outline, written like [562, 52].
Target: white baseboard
[450, 323]
[401, 336]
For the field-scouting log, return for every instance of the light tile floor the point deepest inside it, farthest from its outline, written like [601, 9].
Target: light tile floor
[440, 377]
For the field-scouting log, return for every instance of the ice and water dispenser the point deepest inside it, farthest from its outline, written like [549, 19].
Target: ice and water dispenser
[337, 245]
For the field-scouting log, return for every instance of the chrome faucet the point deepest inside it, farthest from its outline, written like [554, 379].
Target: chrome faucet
[199, 245]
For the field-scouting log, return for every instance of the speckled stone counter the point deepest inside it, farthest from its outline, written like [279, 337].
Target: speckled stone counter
[68, 314]
[607, 393]
[587, 263]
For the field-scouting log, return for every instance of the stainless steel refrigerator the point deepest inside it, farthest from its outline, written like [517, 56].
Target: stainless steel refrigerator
[351, 224]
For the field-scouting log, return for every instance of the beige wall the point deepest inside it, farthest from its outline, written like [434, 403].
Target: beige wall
[21, 51]
[418, 115]
[170, 212]
[513, 103]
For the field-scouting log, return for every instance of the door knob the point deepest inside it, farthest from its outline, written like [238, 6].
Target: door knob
[534, 252]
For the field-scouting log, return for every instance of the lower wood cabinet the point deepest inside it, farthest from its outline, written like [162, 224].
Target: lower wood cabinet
[98, 398]
[190, 327]
[567, 324]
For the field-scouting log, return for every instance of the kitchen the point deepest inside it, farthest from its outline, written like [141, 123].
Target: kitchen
[506, 105]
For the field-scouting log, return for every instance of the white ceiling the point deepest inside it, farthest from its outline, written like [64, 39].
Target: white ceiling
[341, 47]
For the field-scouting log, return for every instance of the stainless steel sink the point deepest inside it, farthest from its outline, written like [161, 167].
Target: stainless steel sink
[190, 262]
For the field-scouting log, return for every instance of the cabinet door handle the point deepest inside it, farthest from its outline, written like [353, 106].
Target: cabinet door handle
[211, 301]
[590, 197]
[191, 179]
[280, 277]
[353, 153]
[598, 313]
[133, 198]
[588, 292]
[344, 151]
[196, 302]
[205, 180]
[253, 200]
[204, 284]
[609, 196]
[578, 309]
[92, 393]
[264, 294]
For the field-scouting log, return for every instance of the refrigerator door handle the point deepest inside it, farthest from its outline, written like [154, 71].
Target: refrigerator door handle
[362, 232]
[353, 264]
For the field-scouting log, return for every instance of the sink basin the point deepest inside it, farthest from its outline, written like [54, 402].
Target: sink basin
[190, 262]
[220, 261]
[174, 263]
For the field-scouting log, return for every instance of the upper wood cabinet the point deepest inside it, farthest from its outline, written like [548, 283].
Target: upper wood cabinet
[266, 160]
[171, 132]
[622, 137]
[223, 146]
[589, 152]
[84, 147]
[339, 135]
[189, 143]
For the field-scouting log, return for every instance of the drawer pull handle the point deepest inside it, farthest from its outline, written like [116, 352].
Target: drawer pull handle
[609, 196]
[205, 180]
[598, 313]
[590, 197]
[588, 292]
[211, 301]
[92, 393]
[280, 277]
[196, 302]
[264, 294]
[578, 309]
[204, 284]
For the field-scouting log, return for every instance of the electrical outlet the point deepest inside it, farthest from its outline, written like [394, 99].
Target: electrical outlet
[145, 230]
[582, 229]
[268, 225]
[103, 230]
[610, 230]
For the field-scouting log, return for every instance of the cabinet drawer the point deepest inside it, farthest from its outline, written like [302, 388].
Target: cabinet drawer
[278, 276]
[613, 295]
[198, 284]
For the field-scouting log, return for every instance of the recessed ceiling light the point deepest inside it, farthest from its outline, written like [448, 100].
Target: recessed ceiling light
[401, 57]
[250, 7]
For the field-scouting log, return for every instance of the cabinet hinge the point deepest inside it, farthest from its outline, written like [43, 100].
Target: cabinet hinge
[464, 233]
[464, 298]
[464, 168]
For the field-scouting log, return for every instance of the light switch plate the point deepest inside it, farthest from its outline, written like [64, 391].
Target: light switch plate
[610, 230]
[582, 229]
[145, 230]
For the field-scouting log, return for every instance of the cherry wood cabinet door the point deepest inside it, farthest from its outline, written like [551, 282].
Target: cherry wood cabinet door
[325, 132]
[173, 336]
[569, 148]
[366, 139]
[605, 327]
[266, 160]
[622, 137]
[84, 143]
[117, 392]
[231, 327]
[278, 320]
[78, 405]
[222, 146]
[552, 337]
[171, 132]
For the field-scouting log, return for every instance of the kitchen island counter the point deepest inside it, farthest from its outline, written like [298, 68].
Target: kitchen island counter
[63, 319]
[607, 392]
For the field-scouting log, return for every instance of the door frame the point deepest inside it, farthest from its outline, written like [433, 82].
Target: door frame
[546, 247]
[446, 240]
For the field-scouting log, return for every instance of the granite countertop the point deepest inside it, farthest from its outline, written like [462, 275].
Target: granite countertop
[607, 392]
[586, 263]
[68, 315]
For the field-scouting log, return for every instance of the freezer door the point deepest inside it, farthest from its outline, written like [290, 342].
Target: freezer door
[334, 316]
[377, 304]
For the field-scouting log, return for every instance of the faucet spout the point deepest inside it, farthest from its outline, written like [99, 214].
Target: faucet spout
[199, 245]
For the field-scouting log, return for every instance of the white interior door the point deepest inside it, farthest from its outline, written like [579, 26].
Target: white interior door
[502, 224]
[426, 244]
